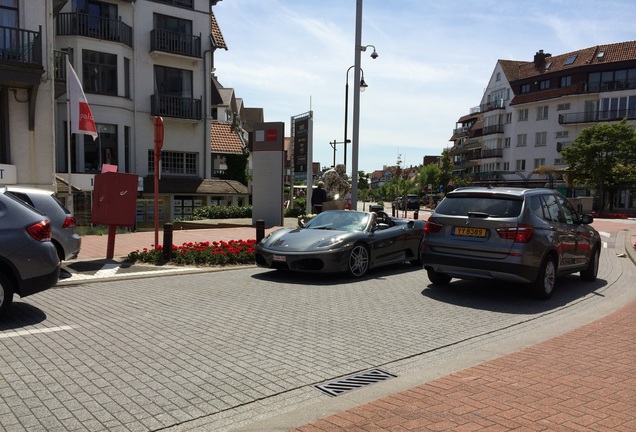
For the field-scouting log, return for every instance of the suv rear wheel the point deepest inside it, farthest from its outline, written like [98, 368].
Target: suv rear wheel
[6, 294]
[543, 287]
[438, 278]
[589, 274]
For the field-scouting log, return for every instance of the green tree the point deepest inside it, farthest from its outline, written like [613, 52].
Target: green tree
[446, 166]
[602, 156]
[431, 175]
[236, 168]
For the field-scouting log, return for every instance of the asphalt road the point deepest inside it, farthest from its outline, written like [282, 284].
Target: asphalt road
[233, 348]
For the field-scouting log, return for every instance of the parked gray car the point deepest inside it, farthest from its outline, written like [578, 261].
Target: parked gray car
[516, 235]
[28, 260]
[63, 226]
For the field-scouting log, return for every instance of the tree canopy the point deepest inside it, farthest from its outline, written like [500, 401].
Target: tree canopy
[602, 156]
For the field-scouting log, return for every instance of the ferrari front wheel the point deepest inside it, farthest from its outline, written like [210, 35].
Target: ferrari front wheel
[358, 261]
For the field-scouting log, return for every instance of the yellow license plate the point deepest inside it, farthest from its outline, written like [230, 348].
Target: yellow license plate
[469, 232]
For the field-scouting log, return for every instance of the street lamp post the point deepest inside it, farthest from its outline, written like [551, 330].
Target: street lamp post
[355, 145]
[363, 86]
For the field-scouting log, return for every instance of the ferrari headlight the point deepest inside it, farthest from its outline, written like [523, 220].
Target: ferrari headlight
[331, 242]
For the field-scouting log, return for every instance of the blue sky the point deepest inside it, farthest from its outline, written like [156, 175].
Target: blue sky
[435, 60]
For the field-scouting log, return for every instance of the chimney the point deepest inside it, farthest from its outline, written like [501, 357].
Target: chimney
[539, 58]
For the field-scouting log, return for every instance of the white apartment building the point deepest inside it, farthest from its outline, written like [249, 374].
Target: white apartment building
[136, 60]
[27, 92]
[531, 110]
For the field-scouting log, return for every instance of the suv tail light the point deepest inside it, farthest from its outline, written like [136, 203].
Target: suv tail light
[40, 231]
[69, 222]
[520, 234]
[432, 227]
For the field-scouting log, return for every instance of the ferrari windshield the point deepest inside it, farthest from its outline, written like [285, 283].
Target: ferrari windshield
[340, 220]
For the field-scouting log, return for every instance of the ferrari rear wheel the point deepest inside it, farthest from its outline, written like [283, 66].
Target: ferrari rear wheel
[358, 261]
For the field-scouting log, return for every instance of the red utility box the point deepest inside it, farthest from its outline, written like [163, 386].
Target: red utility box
[115, 199]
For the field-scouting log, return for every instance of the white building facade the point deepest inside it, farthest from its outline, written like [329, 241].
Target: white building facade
[531, 110]
[136, 60]
[27, 92]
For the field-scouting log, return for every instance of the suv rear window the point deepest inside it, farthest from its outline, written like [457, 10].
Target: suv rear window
[490, 206]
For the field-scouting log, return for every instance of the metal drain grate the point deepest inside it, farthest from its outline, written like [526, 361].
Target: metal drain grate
[353, 382]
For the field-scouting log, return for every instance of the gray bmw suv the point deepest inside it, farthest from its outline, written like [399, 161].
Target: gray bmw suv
[517, 235]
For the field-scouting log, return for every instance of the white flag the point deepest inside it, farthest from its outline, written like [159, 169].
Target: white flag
[81, 117]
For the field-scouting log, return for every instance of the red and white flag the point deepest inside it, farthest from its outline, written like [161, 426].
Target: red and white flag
[81, 117]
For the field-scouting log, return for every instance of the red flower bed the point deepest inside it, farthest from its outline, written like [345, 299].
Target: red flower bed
[201, 253]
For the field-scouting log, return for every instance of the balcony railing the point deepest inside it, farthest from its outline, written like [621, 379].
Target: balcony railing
[181, 3]
[20, 46]
[611, 85]
[59, 64]
[492, 105]
[491, 153]
[175, 43]
[461, 130]
[493, 129]
[597, 116]
[79, 24]
[175, 106]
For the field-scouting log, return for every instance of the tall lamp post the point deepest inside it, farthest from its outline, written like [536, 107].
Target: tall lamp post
[355, 145]
[363, 87]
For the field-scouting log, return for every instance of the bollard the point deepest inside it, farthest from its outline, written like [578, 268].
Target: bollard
[260, 230]
[167, 241]
[416, 214]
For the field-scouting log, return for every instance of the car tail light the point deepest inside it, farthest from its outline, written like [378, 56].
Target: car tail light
[432, 227]
[520, 234]
[40, 231]
[69, 222]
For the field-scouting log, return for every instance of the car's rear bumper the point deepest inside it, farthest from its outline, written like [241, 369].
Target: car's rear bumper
[40, 283]
[508, 270]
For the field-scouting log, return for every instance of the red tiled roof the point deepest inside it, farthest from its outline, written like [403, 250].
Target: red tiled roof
[612, 53]
[215, 32]
[511, 68]
[224, 139]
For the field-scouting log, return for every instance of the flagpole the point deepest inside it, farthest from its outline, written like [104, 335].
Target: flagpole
[69, 202]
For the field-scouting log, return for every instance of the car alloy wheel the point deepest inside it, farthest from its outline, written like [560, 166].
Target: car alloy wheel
[358, 261]
[544, 285]
[590, 273]
[6, 295]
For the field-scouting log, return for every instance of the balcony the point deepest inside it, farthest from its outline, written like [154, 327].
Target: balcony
[611, 85]
[491, 153]
[493, 105]
[175, 43]
[189, 4]
[493, 129]
[20, 46]
[21, 62]
[79, 24]
[596, 116]
[175, 107]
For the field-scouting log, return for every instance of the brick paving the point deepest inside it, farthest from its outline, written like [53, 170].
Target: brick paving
[584, 380]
